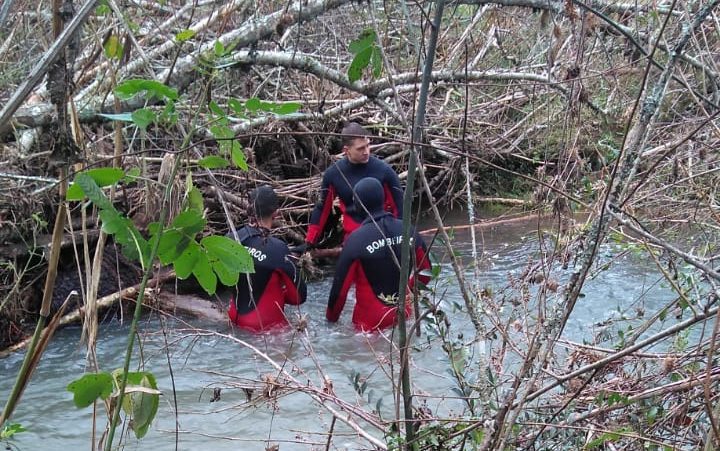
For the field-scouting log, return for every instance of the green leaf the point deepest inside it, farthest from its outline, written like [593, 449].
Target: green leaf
[228, 251]
[185, 35]
[113, 47]
[366, 39]
[185, 263]
[143, 117]
[238, 156]
[227, 276]
[11, 429]
[204, 273]
[171, 246]
[222, 133]
[237, 106]
[253, 104]
[216, 110]
[213, 162]
[112, 221]
[130, 88]
[131, 175]
[190, 222]
[376, 60]
[219, 48]
[359, 63]
[141, 399]
[194, 200]
[267, 106]
[101, 176]
[122, 117]
[93, 191]
[287, 108]
[90, 387]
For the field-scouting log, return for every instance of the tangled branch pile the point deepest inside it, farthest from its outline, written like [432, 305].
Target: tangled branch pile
[556, 105]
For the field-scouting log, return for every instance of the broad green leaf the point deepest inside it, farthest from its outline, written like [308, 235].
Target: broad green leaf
[194, 200]
[113, 47]
[143, 117]
[359, 63]
[101, 176]
[190, 222]
[141, 399]
[287, 108]
[227, 276]
[366, 39]
[219, 48]
[185, 263]
[204, 274]
[131, 175]
[222, 132]
[10, 429]
[185, 35]
[123, 117]
[253, 104]
[229, 252]
[112, 221]
[130, 88]
[238, 156]
[267, 106]
[213, 162]
[237, 106]
[169, 247]
[93, 191]
[216, 110]
[90, 387]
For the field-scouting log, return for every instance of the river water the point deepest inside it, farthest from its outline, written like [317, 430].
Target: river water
[201, 356]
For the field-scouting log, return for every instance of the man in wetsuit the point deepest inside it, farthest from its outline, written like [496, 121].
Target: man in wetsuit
[367, 261]
[340, 178]
[257, 302]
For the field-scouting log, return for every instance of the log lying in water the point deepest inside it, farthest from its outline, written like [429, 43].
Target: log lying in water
[78, 314]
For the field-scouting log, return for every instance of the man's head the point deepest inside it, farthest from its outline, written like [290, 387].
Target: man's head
[263, 202]
[356, 144]
[370, 194]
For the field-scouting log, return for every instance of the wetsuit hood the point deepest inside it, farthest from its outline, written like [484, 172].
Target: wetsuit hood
[263, 201]
[369, 192]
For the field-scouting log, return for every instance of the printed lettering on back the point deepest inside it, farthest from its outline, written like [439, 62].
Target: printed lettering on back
[379, 244]
[256, 253]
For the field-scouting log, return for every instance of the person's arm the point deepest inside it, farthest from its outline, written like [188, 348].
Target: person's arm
[422, 259]
[343, 280]
[322, 210]
[393, 192]
[295, 288]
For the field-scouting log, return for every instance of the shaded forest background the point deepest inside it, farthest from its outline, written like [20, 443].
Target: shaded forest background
[554, 107]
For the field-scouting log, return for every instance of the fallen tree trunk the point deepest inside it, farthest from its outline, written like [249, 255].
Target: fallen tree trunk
[103, 303]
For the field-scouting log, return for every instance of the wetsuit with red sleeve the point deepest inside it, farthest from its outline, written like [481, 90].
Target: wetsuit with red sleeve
[366, 261]
[339, 180]
[258, 301]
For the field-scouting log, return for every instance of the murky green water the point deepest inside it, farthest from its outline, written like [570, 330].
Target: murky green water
[201, 361]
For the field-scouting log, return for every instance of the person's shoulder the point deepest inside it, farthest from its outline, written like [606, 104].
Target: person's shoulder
[380, 164]
[333, 169]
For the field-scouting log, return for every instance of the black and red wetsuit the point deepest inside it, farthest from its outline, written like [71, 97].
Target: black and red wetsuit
[367, 262]
[258, 301]
[339, 180]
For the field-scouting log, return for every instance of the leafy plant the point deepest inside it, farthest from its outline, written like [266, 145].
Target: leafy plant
[367, 53]
[140, 405]
[9, 430]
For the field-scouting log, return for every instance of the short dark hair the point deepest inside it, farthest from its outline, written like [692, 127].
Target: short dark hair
[351, 132]
[263, 202]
